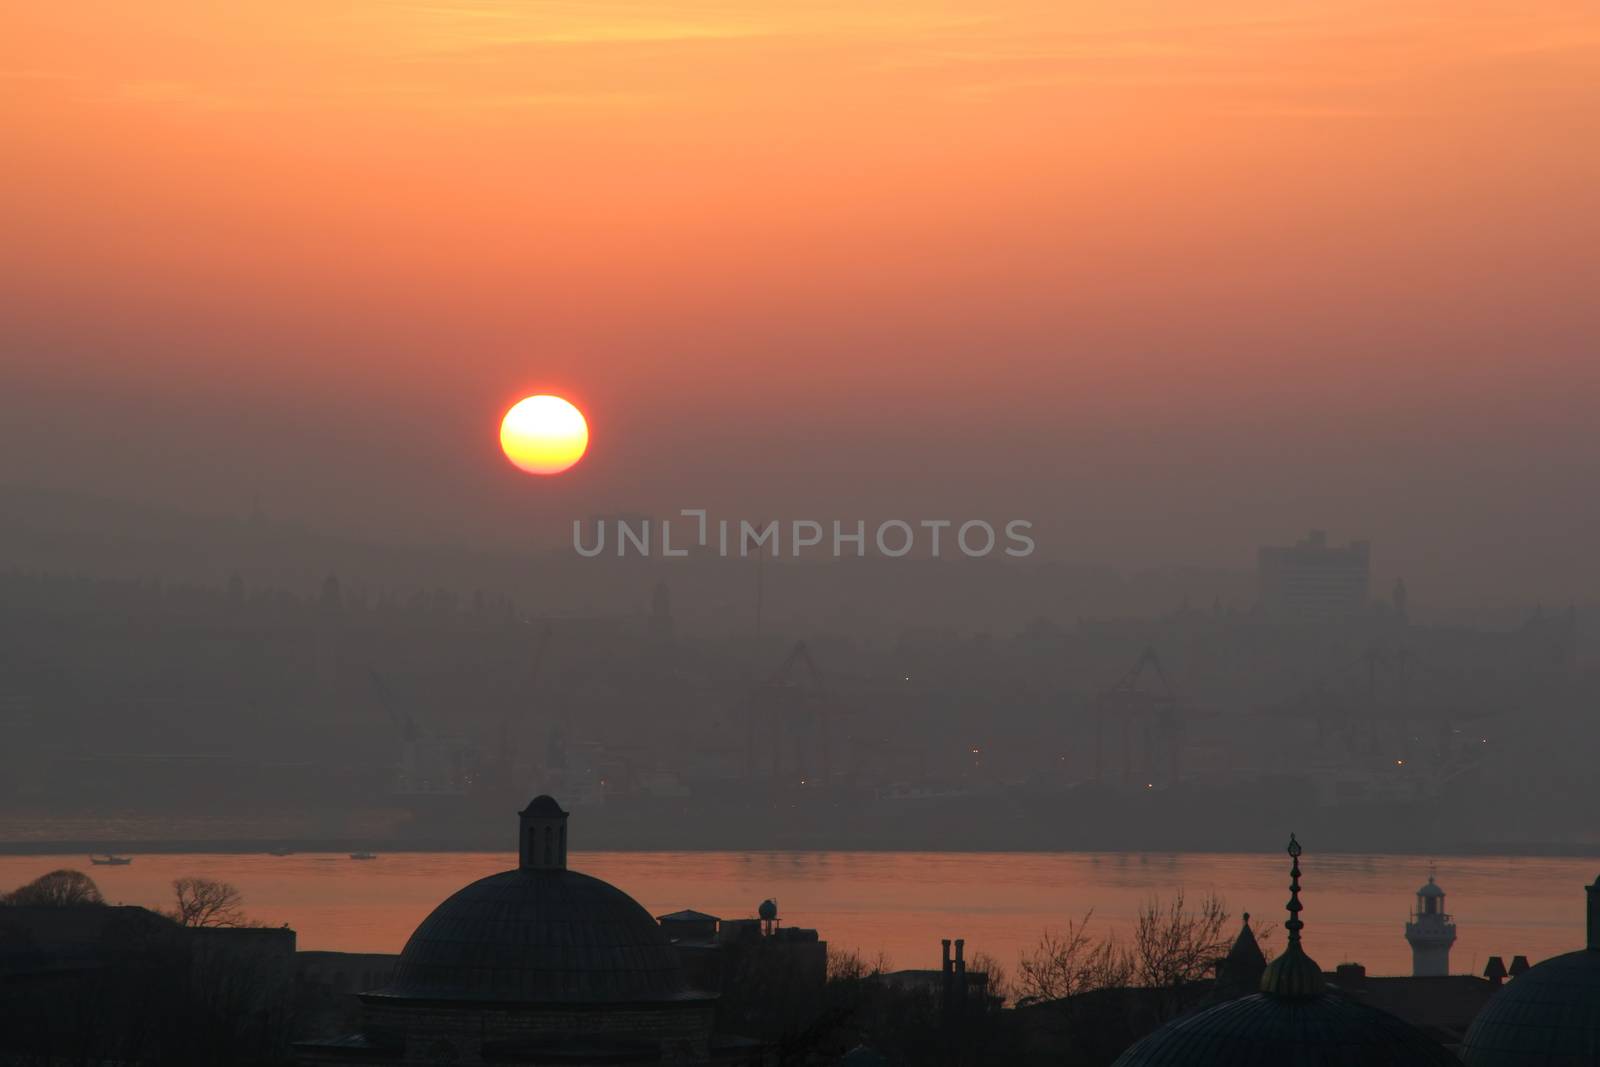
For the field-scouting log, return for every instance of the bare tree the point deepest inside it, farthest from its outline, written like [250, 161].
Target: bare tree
[58, 889]
[1069, 963]
[206, 902]
[848, 965]
[999, 981]
[1174, 946]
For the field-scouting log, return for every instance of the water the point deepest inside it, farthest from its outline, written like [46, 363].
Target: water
[902, 903]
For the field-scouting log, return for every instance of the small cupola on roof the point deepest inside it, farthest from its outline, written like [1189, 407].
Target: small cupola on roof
[542, 835]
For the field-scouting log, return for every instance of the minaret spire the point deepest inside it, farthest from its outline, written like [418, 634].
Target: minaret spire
[1294, 925]
[1293, 974]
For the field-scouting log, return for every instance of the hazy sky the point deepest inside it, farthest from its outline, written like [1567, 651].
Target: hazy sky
[1170, 278]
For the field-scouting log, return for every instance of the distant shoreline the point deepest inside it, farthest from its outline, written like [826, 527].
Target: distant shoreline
[348, 845]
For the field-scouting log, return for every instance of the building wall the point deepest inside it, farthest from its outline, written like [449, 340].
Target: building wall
[447, 1034]
[326, 987]
[103, 984]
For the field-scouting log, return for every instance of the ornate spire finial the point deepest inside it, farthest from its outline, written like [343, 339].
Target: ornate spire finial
[1294, 925]
[1293, 974]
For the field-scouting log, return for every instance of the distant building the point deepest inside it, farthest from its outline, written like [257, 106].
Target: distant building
[1313, 581]
[955, 986]
[1430, 933]
[1441, 1007]
[770, 979]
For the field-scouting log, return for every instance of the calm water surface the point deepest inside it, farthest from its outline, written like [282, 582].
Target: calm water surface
[903, 903]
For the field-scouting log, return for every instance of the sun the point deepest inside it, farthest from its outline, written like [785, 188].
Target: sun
[544, 434]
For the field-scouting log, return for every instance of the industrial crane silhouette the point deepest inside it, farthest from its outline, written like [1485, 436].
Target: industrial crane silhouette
[1385, 686]
[791, 709]
[1141, 698]
[399, 717]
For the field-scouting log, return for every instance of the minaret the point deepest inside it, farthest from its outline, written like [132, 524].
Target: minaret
[1431, 932]
[542, 836]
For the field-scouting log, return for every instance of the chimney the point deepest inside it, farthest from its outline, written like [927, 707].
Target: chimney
[1519, 964]
[947, 982]
[961, 963]
[1594, 915]
[1495, 971]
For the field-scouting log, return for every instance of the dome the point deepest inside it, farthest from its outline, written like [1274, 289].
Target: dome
[1293, 974]
[1327, 1030]
[539, 935]
[1430, 890]
[543, 805]
[1550, 1016]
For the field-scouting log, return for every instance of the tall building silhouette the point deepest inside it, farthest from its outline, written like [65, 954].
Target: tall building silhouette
[1313, 581]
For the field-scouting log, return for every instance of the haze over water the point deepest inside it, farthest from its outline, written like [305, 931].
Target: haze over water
[902, 903]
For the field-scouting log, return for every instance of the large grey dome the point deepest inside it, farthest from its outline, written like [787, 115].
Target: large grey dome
[1328, 1030]
[539, 935]
[1548, 1017]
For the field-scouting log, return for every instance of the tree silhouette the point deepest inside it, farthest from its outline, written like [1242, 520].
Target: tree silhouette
[58, 889]
[206, 902]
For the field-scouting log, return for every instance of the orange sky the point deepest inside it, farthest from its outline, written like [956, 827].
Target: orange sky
[1264, 265]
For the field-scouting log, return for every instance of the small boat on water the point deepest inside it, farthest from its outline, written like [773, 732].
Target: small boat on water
[110, 860]
[363, 855]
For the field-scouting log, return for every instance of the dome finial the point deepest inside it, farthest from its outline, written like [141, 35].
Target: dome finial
[1293, 974]
[1294, 925]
